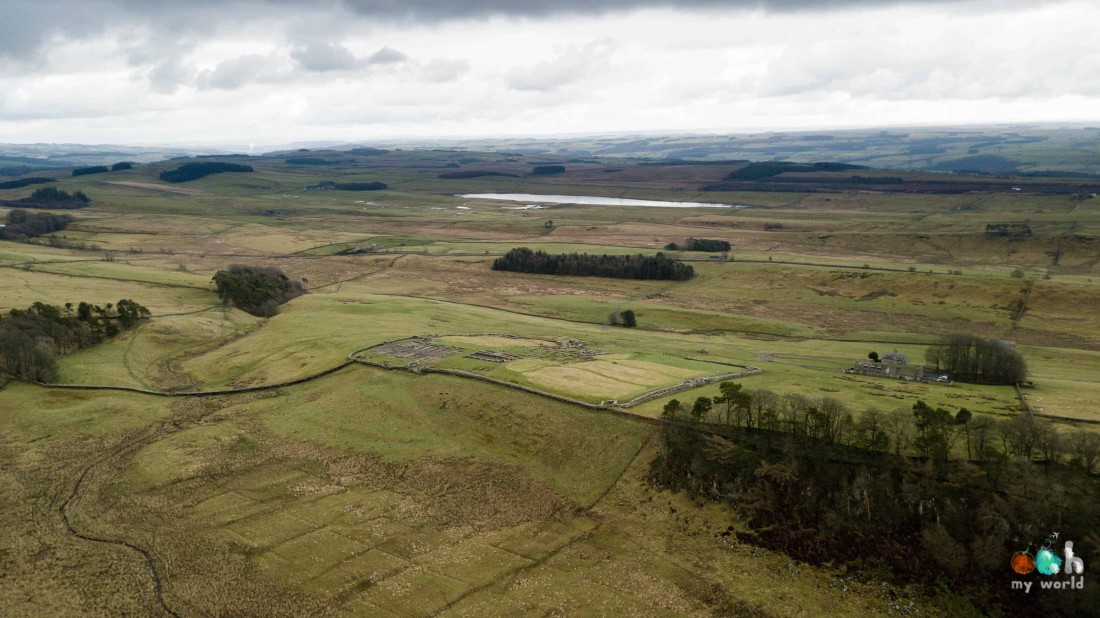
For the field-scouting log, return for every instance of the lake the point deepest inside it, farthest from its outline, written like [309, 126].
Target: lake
[593, 200]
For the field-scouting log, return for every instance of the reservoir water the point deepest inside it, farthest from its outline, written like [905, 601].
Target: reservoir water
[593, 200]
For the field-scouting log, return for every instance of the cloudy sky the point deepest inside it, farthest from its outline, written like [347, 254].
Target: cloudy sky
[276, 71]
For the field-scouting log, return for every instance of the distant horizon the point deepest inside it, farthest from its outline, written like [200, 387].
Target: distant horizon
[416, 139]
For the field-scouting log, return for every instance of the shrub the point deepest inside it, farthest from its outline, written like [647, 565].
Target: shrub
[630, 320]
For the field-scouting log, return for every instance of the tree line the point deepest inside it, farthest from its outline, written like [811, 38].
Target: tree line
[980, 361]
[767, 169]
[53, 198]
[881, 496]
[474, 174]
[19, 183]
[660, 266]
[309, 161]
[360, 186]
[699, 244]
[255, 289]
[546, 170]
[95, 169]
[921, 431]
[32, 340]
[22, 225]
[194, 171]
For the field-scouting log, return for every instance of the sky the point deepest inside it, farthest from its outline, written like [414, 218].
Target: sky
[267, 72]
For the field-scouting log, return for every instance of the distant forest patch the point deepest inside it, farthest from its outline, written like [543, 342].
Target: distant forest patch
[329, 185]
[309, 161]
[878, 180]
[51, 197]
[664, 162]
[546, 170]
[767, 169]
[194, 171]
[474, 174]
[19, 183]
[21, 225]
[978, 164]
[95, 169]
[360, 186]
[699, 244]
[660, 266]
[122, 165]
[368, 151]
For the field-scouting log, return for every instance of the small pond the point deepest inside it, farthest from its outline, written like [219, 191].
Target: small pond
[592, 200]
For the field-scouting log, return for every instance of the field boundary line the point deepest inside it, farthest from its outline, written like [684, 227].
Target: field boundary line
[150, 565]
[207, 393]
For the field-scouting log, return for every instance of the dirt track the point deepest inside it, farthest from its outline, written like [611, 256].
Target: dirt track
[156, 187]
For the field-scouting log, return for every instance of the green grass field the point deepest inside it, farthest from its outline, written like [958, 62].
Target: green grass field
[375, 492]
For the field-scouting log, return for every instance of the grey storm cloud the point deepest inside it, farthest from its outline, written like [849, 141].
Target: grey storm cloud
[27, 27]
[387, 55]
[437, 10]
[232, 74]
[324, 57]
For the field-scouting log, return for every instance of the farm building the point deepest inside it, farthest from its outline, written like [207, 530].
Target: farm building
[896, 365]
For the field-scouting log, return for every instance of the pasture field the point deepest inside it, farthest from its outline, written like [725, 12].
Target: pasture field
[322, 500]
[382, 492]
